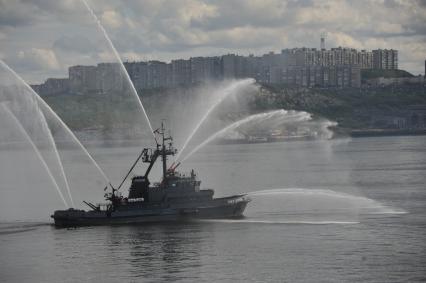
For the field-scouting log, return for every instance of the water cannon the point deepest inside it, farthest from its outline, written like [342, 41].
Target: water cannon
[173, 166]
[176, 166]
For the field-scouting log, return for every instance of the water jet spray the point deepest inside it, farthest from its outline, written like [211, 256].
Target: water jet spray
[123, 69]
[227, 91]
[50, 111]
[34, 147]
[295, 116]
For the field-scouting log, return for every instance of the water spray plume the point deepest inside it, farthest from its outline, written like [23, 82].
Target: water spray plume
[58, 158]
[326, 199]
[126, 74]
[296, 116]
[34, 147]
[227, 91]
[48, 134]
[56, 117]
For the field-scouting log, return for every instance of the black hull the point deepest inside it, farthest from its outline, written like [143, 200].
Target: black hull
[229, 208]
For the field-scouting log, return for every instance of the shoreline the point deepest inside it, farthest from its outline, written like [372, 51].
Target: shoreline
[386, 132]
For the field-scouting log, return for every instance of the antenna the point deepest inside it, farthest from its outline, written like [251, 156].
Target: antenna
[323, 36]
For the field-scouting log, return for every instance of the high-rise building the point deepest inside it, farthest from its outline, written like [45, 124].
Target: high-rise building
[181, 72]
[53, 86]
[333, 57]
[83, 78]
[157, 75]
[386, 59]
[138, 72]
[309, 67]
[110, 77]
[205, 68]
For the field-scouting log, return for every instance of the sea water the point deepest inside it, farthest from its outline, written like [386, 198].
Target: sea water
[321, 211]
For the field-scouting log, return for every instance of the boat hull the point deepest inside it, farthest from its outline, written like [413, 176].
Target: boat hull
[226, 208]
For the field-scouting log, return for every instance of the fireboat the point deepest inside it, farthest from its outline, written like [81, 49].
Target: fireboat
[177, 197]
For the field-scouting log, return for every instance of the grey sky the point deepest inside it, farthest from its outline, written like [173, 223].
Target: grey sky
[41, 38]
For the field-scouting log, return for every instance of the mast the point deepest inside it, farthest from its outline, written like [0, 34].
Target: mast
[150, 155]
[163, 153]
[165, 150]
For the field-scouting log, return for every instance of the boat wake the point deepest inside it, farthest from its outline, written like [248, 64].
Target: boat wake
[301, 222]
[8, 228]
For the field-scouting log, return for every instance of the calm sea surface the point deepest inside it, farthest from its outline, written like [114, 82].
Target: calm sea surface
[321, 211]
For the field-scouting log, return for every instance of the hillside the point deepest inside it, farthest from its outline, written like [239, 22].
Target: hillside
[379, 73]
[351, 108]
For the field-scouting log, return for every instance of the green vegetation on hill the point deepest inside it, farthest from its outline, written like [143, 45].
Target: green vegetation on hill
[92, 110]
[379, 73]
[352, 108]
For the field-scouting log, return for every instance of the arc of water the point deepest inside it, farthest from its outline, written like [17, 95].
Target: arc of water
[227, 92]
[111, 45]
[58, 158]
[55, 116]
[233, 126]
[34, 147]
[368, 203]
[297, 116]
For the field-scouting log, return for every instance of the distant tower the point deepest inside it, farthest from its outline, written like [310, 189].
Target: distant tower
[323, 35]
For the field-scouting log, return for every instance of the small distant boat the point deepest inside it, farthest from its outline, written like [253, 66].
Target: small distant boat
[267, 139]
[257, 139]
[177, 197]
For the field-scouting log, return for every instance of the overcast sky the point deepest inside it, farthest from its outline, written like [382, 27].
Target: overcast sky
[41, 38]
